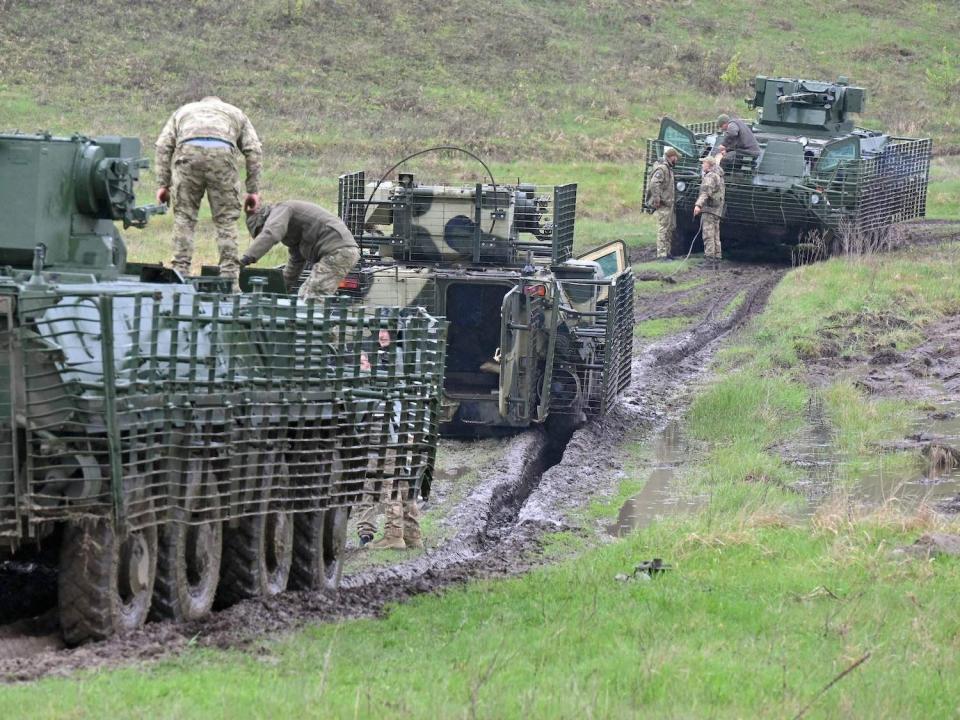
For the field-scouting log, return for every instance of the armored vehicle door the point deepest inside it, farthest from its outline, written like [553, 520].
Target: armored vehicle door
[676, 135]
[522, 348]
[837, 171]
[593, 347]
[612, 259]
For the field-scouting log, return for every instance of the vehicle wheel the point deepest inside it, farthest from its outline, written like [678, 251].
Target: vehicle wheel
[257, 554]
[188, 562]
[105, 582]
[682, 239]
[334, 542]
[314, 556]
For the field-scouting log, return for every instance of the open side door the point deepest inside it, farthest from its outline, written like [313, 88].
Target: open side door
[511, 327]
[838, 171]
[592, 364]
[612, 258]
[678, 136]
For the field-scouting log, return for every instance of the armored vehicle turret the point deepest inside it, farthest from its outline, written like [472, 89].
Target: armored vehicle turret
[819, 182]
[535, 334]
[171, 443]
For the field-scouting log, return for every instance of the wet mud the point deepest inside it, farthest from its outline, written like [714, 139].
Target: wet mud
[491, 517]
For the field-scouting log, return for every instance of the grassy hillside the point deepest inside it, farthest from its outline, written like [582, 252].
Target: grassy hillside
[551, 90]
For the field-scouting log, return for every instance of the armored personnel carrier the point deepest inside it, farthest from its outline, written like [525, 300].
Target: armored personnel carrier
[167, 443]
[819, 182]
[535, 335]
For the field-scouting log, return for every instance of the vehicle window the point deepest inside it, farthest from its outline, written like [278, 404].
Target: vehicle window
[681, 139]
[832, 156]
[608, 263]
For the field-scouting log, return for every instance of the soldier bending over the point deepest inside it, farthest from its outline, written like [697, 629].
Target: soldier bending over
[311, 234]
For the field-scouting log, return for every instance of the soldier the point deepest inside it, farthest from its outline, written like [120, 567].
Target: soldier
[311, 234]
[402, 525]
[738, 138]
[202, 141]
[661, 192]
[710, 204]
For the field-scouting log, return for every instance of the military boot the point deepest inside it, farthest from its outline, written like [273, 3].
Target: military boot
[392, 529]
[412, 537]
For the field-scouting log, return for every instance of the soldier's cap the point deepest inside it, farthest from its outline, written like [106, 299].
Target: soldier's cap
[256, 220]
[710, 160]
[722, 119]
[671, 152]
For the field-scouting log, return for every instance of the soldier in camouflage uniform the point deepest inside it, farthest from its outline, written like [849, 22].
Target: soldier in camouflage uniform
[661, 192]
[198, 152]
[402, 524]
[709, 206]
[311, 234]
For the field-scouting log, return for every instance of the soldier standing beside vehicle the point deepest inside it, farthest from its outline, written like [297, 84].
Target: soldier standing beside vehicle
[737, 139]
[661, 192]
[198, 152]
[709, 206]
[311, 234]
[402, 524]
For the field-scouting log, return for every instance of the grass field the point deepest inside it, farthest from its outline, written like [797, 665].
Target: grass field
[547, 91]
[762, 611]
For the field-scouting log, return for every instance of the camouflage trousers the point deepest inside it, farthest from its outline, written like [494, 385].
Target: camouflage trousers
[327, 272]
[666, 226]
[710, 228]
[402, 513]
[215, 172]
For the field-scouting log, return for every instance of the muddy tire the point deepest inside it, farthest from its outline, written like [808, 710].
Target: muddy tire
[319, 543]
[105, 583]
[188, 561]
[257, 554]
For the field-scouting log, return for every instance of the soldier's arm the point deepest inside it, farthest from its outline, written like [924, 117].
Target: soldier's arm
[655, 188]
[274, 230]
[166, 144]
[294, 266]
[249, 145]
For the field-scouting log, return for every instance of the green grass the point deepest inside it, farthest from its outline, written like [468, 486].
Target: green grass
[753, 621]
[658, 327]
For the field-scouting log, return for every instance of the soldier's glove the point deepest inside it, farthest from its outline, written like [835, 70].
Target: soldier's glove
[246, 260]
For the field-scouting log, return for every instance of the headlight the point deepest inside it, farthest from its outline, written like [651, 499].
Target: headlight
[814, 199]
[681, 186]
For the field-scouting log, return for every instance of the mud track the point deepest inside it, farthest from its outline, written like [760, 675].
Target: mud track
[532, 486]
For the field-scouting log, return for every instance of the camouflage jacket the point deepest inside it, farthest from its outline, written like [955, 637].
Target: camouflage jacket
[739, 136]
[209, 118]
[660, 186]
[710, 199]
[308, 231]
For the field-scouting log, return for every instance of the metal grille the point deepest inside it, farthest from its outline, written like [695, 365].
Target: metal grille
[893, 186]
[565, 210]
[351, 201]
[482, 224]
[863, 194]
[9, 522]
[137, 404]
[592, 360]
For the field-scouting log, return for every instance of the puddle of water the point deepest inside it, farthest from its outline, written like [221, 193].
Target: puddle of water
[659, 497]
[823, 467]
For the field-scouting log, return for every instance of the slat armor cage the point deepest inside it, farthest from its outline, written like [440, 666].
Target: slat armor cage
[132, 405]
[863, 194]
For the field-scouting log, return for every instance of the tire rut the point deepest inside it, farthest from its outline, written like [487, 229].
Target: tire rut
[529, 490]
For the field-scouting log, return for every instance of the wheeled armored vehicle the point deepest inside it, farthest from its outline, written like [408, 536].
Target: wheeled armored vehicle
[819, 182]
[535, 334]
[168, 443]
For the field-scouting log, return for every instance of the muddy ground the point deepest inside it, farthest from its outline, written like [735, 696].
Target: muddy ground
[493, 500]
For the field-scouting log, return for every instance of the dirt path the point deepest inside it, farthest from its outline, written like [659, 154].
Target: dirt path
[503, 495]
